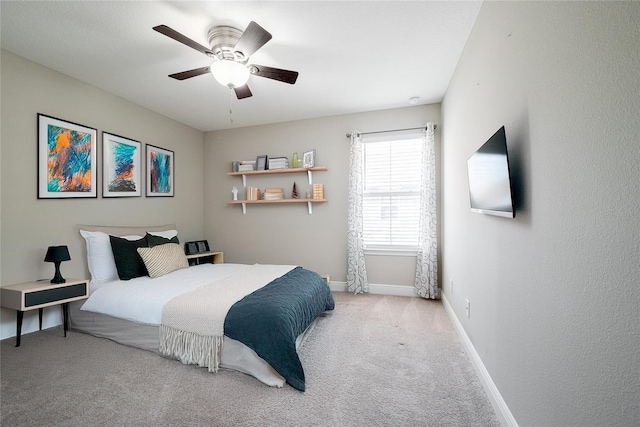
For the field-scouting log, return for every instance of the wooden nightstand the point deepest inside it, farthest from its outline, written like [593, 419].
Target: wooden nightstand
[38, 295]
[205, 257]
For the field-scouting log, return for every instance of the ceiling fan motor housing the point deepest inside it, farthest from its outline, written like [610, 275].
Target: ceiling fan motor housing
[222, 40]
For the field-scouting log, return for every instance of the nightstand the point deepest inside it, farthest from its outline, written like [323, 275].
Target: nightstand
[38, 295]
[205, 257]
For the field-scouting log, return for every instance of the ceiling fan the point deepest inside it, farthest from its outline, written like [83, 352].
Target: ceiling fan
[231, 49]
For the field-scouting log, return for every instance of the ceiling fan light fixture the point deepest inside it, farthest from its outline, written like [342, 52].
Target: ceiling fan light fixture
[230, 73]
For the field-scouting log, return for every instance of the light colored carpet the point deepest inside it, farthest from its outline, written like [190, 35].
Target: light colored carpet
[376, 361]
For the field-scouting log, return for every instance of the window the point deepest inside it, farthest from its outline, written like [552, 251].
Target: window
[391, 193]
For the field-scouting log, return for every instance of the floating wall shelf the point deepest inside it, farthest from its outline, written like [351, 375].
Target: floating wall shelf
[309, 172]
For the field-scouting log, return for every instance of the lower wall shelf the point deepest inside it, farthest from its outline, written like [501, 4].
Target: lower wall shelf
[244, 203]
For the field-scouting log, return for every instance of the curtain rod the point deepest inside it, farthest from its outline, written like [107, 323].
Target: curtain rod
[392, 130]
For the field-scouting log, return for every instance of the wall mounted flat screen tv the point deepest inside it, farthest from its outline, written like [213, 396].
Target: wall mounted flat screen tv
[490, 178]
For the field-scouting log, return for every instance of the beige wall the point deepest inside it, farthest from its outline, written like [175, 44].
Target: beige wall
[287, 233]
[29, 225]
[554, 292]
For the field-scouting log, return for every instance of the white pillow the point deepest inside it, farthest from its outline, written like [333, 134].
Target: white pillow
[163, 259]
[167, 234]
[102, 265]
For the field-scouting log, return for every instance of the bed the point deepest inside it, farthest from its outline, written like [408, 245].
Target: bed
[248, 318]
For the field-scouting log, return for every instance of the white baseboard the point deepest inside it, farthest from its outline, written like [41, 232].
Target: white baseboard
[397, 290]
[498, 403]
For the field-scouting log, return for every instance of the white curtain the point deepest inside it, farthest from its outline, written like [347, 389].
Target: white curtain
[427, 260]
[356, 271]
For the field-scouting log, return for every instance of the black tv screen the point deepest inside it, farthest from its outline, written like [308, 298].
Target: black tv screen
[490, 178]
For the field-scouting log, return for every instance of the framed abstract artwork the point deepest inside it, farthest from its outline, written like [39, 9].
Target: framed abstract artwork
[66, 159]
[121, 166]
[160, 172]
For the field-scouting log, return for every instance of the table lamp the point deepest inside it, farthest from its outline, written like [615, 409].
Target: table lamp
[57, 254]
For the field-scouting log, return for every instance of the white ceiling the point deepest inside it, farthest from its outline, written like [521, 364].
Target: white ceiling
[351, 56]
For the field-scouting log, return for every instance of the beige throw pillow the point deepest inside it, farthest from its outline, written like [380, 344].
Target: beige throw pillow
[163, 259]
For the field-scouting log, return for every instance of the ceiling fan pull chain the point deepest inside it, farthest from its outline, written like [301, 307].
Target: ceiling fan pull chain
[230, 106]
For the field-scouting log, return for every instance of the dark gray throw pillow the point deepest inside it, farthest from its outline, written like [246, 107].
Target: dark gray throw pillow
[159, 240]
[128, 261]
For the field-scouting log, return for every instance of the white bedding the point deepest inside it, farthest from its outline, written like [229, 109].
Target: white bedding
[142, 299]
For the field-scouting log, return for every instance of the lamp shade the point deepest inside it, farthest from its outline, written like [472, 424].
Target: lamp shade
[57, 254]
[230, 73]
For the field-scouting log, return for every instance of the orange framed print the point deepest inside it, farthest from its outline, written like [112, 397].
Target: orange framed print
[66, 159]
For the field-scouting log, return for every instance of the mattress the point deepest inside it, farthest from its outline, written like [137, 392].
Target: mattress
[143, 298]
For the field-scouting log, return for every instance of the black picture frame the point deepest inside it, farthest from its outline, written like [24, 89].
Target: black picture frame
[196, 247]
[113, 183]
[160, 172]
[261, 163]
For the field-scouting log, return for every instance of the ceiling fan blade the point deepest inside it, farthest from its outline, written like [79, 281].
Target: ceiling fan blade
[252, 39]
[242, 92]
[191, 73]
[274, 73]
[169, 32]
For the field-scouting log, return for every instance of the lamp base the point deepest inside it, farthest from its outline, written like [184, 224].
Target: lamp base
[58, 277]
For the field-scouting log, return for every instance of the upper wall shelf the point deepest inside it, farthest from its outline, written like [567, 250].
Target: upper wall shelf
[309, 171]
[276, 171]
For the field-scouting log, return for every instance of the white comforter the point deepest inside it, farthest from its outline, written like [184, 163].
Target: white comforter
[142, 299]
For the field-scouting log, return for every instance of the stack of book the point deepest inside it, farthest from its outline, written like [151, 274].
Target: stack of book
[318, 191]
[273, 194]
[253, 193]
[278, 163]
[247, 165]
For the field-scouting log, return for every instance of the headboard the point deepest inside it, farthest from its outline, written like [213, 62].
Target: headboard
[118, 230]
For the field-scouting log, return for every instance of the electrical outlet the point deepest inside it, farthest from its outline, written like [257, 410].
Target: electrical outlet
[467, 308]
[451, 285]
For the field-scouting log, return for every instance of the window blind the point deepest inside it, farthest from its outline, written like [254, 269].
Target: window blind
[391, 196]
